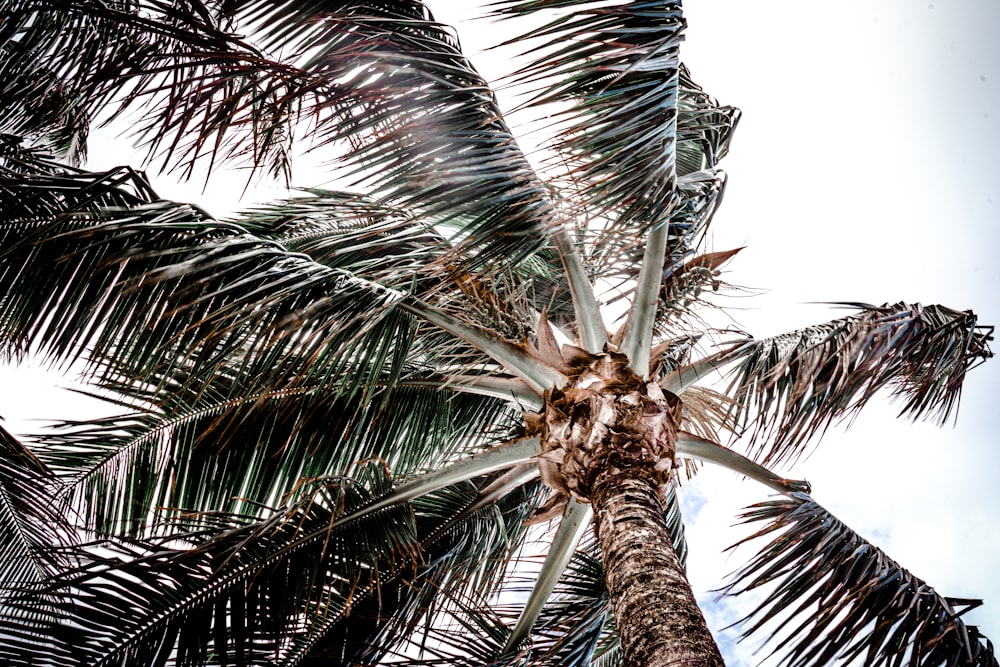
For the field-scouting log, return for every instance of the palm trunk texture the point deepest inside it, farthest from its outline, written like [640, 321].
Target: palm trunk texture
[658, 620]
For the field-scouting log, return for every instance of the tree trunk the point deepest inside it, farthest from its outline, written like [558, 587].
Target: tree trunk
[658, 619]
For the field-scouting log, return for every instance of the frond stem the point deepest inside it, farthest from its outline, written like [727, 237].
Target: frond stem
[509, 389]
[683, 378]
[593, 334]
[638, 341]
[706, 450]
[517, 360]
[575, 520]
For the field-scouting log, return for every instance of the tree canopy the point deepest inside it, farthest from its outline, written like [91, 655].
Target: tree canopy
[342, 411]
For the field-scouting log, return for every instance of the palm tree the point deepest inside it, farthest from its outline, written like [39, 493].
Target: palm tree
[339, 413]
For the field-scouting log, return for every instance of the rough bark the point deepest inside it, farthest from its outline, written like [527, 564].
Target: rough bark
[658, 619]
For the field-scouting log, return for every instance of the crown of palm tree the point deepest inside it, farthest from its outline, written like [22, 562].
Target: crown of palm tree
[339, 411]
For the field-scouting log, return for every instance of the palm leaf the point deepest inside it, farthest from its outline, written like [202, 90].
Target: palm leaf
[34, 189]
[625, 111]
[463, 559]
[239, 595]
[704, 127]
[425, 130]
[236, 452]
[572, 623]
[160, 282]
[617, 67]
[849, 600]
[442, 147]
[795, 384]
[33, 524]
[205, 85]
[344, 230]
[618, 256]
[390, 245]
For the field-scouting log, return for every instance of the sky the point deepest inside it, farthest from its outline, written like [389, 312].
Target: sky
[865, 168]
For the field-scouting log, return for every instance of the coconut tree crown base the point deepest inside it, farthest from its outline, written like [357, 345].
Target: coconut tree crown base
[607, 421]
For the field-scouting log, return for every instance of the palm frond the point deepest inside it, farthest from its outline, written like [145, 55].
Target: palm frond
[625, 111]
[34, 189]
[390, 245]
[465, 634]
[356, 233]
[616, 69]
[846, 598]
[33, 524]
[240, 594]
[424, 127]
[160, 282]
[576, 519]
[704, 127]
[793, 385]
[236, 452]
[574, 621]
[705, 450]
[440, 147]
[205, 86]
[464, 559]
[36, 106]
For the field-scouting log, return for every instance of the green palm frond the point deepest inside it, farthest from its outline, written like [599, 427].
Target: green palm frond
[835, 596]
[704, 127]
[36, 105]
[467, 559]
[793, 385]
[389, 246]
[235, 452]
[392, 246]
[33, 520]
[33, 189]
[626, 110]
[616, 67]
[443, 147]
[465, 634]
[160, 282]
[355, 233]
[241, 592]
[206, 85]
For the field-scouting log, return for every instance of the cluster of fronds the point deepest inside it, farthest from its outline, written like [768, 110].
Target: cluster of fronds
[322, 452]
[832, 595]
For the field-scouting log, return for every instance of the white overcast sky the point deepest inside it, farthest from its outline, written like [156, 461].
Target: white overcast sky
[865, 168]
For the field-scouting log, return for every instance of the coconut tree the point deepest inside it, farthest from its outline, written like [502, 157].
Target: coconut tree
[340, 413]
